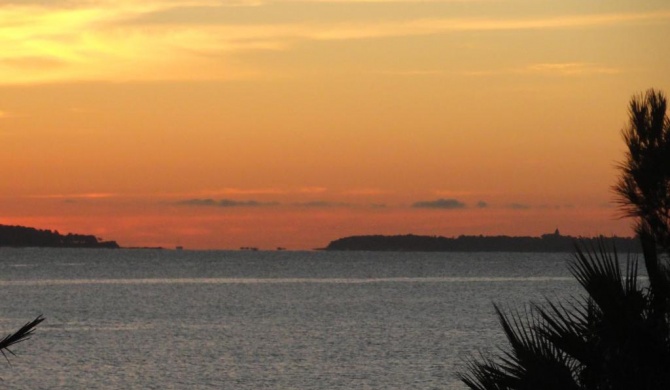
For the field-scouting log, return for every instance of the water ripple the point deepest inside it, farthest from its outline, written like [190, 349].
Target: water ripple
[153, 281]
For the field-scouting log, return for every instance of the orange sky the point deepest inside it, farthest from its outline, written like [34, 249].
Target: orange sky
[220, 124]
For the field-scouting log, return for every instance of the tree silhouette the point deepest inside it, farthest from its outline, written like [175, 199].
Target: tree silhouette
[617, 335]
[644, 189]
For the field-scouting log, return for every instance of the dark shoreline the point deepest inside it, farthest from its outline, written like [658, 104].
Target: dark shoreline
[27, 237]
[546, 243]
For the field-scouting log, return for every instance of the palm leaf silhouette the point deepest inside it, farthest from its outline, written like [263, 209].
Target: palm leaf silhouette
[617, 335]
[20, 335]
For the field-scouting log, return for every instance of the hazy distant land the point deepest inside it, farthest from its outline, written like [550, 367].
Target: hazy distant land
[21, 236]
[413, 243]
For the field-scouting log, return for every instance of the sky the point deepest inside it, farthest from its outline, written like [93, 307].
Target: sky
[291, 123]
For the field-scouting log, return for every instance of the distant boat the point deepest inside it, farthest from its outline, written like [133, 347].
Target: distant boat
[179, 247]
[281, 248]
[248, 248]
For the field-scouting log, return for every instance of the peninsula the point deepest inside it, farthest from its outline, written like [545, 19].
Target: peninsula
[21, 236]
[554, 242]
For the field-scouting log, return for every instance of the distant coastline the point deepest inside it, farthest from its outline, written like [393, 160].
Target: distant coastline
[24, 237]
[553, 242]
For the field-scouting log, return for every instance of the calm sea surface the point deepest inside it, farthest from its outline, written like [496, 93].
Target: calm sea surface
[145, 319]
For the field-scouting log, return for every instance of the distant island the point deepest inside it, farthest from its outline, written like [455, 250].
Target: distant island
[21, 236]
[553, 242]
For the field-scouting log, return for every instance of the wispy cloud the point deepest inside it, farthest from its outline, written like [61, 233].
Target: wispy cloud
[256, 3]
[321, 204]
[90, 195]
[552, 69]
[86, 40]
[71, 41]
[572, 68]
[233, 191]
[434, 26]
[225, 203]
[448, 204]
[313, 204]
[248, 191]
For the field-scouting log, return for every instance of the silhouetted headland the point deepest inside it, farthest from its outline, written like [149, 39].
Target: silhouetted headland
[554, 242]
[21, 236]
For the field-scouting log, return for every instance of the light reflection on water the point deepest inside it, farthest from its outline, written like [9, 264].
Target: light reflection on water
[260, 320]
[73, 282]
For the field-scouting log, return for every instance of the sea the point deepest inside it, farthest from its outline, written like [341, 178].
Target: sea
[180, 319]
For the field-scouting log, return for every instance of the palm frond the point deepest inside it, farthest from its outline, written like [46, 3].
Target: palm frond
[20, 335]
[566, 326]
[599, 272]
[617, 336]
[532, 363]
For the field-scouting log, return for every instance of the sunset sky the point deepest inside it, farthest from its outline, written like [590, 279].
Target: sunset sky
[221, 124]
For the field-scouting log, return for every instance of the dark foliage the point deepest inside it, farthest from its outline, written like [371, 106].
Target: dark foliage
[21, 236]
[617, 336]
[607, 339]
[20, 335]
[644, 185]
